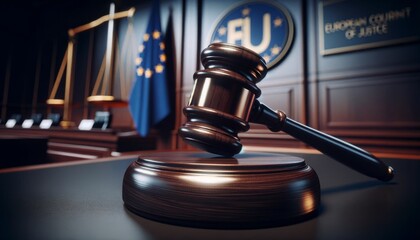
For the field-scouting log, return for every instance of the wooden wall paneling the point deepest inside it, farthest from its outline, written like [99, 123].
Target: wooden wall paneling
[189, 59]
[365, 103]
[312, 64]
[375, 112]
[178, 10]
[284, 98]
[191, 46]
[367, 97]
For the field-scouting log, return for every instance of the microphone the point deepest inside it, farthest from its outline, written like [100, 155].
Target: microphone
[224, 100]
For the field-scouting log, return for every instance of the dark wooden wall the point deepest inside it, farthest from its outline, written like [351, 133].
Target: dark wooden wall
[367, 97]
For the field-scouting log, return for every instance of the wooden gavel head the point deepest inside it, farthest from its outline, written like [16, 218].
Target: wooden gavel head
[222, 98]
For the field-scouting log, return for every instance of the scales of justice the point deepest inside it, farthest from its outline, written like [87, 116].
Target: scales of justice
[224, 187]
[116, 63]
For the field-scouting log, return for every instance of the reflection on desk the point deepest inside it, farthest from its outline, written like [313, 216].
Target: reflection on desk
[83, 201]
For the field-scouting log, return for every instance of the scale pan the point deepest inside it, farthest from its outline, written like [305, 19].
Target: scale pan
[107, 100]
[55, 102]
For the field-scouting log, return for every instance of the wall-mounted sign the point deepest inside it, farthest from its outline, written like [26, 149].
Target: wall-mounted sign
[350, 25]
[263, 27]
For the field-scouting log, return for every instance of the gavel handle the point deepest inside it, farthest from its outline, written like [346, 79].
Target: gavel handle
[344, 152]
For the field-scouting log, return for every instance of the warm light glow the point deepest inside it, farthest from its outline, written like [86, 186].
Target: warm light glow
[207, 179]
[66, 124]
[308, 202]
[54, 101]
[130, 12]
[99, 98]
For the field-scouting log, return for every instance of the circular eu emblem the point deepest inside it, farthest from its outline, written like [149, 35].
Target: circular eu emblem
[263, 27]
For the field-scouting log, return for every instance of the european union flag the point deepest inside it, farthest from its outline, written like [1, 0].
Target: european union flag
[149, 101]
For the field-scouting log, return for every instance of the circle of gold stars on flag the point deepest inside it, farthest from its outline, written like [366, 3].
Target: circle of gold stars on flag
[159, 67]
[280, 25]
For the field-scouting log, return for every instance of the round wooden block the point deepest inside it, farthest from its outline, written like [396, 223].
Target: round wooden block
[252, 190]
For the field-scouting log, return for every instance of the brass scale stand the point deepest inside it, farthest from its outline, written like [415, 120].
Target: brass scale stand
[104, 78]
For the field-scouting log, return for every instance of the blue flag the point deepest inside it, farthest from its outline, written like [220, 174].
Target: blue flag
[149, 101]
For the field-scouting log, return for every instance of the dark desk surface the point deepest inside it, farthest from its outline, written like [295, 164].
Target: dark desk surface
[84, 202]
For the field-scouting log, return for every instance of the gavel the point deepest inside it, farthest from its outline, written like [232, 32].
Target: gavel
[224, 100]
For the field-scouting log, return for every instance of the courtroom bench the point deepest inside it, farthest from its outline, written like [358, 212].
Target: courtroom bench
[67, 144]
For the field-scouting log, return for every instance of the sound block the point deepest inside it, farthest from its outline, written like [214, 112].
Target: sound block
[197, 189]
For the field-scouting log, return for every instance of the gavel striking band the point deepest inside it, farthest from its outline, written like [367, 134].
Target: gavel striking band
[224, 100]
